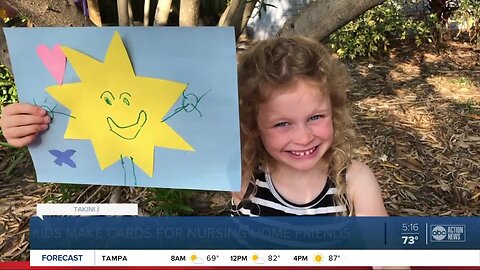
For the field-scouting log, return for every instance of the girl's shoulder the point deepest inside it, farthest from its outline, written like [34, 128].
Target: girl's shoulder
[359, 172]
[357, 167]
[364, 191]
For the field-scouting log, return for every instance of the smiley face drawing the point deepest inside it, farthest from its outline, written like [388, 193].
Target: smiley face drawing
[127, 132]
[119, 112]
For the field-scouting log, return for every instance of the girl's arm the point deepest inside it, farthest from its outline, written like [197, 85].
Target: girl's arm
[366, 195]
[364, 191]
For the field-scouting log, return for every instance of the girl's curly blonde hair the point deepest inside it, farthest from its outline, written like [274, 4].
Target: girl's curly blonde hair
[271, 65]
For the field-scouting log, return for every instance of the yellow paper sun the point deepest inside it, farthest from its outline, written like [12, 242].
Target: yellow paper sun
[121, 113]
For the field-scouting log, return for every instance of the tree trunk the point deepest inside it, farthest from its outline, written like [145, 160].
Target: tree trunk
[231, 13]
[94, 12]
[50, 12]
[122, 9]
[162, 12]
[130, 12]
[233, 16]
[247, 13]
[189, 12]
[146, 12]
[321, 18]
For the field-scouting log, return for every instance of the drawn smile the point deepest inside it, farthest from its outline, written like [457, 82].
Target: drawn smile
[128, 132]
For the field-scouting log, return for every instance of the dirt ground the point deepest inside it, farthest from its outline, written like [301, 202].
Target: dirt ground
[418, 118]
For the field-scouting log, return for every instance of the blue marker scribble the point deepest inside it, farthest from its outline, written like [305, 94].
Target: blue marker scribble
[51, 111]
[189, 103]
[63, 157]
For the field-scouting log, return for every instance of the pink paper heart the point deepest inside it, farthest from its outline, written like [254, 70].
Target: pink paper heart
[54, 59]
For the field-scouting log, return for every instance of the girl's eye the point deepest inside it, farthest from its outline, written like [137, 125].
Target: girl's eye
[316, 117]
[126, 101]
[107, 100]
[281, 124]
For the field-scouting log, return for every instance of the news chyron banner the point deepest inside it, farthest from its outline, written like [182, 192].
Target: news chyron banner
[244, 241]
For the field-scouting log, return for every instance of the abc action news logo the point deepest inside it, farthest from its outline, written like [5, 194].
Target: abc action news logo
[447, 233]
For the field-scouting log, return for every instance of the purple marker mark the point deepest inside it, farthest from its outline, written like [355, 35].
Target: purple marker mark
[63, 157]
[82, 5]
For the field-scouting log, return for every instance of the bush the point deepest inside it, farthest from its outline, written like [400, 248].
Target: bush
[171, 202]
[374, 31]
[468, 16]
[8, 91]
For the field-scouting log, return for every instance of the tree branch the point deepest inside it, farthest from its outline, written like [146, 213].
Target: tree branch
[233, 15]
[321, 18]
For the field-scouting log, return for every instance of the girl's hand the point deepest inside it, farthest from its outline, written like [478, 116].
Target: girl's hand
[21, 123]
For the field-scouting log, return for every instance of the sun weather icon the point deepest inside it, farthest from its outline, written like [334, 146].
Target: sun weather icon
[317, 258]
[196, 260]
[257, 259]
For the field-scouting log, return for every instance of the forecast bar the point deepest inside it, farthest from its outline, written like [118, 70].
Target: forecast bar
[255, 258]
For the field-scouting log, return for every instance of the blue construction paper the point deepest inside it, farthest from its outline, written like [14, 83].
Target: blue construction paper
[203, 57]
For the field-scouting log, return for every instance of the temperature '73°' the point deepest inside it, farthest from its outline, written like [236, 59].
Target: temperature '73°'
[409, 239]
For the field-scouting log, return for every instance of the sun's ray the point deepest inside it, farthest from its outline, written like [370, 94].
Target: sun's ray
[85, 67]
[117, 58]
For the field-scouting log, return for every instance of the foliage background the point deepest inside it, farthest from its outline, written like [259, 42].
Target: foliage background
[8, 91]
[393, 22]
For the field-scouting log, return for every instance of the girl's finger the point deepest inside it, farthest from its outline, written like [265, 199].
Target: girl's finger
[14, 121]
[24, 141]
[23, 131]
[23, 108]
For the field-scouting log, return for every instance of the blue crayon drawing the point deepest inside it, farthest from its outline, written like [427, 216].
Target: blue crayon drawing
[63, 157]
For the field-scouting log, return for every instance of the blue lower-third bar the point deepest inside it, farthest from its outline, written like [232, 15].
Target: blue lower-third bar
[131, 233]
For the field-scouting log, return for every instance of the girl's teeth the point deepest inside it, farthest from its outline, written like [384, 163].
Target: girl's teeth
[303, 153]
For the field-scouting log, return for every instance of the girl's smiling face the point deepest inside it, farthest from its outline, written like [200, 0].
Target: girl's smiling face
[296, 126]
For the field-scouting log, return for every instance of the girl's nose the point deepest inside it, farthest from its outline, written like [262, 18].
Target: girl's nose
[303, 135]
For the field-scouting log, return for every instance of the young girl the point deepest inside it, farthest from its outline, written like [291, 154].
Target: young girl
[296, 135]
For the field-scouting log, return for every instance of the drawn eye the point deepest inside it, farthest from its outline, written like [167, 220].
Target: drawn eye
[126, 101]
[107, 97]
[108, 101]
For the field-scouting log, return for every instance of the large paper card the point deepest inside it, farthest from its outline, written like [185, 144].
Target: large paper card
[151, 107]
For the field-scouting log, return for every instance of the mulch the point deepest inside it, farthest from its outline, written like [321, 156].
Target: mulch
[418, 115]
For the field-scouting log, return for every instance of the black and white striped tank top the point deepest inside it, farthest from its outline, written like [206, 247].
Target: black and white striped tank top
[268, 202]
